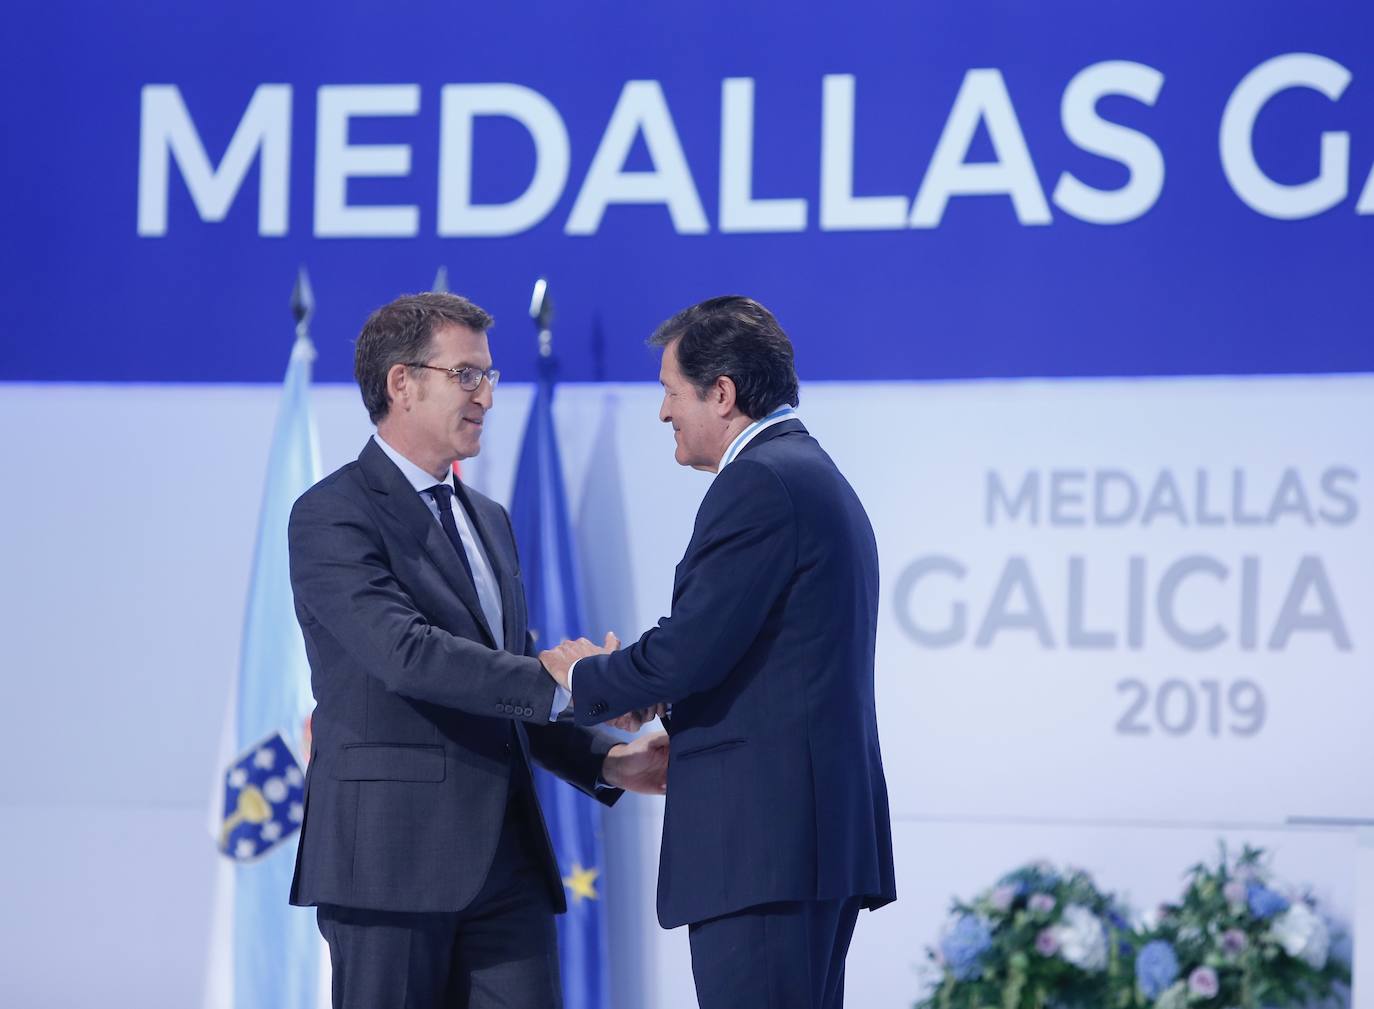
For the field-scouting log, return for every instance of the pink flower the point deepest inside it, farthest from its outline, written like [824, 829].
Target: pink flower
[1203, 982]
[1042, 903]
[1234, 892]
[1001, 898]
[1233, 941]
[1045, 943]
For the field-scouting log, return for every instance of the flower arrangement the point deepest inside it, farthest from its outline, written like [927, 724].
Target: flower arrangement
[1237, 938]
[1039, 939]
[1045, 939]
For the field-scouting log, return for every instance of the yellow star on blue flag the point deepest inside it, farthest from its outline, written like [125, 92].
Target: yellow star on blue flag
[581, 883]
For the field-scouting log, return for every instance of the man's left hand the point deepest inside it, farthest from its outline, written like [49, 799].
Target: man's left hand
[632, 721]
[640, 765]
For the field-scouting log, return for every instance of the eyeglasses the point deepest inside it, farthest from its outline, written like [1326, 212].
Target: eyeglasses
[468, 377]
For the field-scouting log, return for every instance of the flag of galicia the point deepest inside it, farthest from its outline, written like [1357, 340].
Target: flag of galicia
[539, 515]
[265, 954]
[264, 800]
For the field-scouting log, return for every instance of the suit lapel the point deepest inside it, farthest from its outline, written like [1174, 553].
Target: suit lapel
[505, 579]
[400, 500]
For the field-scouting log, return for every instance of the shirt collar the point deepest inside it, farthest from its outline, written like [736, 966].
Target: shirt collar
[779, 415]
[418, 478]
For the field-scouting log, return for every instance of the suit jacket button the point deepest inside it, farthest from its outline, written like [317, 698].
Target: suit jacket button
[500, 708]
[509, 710]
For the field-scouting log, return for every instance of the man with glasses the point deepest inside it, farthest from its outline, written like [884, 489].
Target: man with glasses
[423, 846]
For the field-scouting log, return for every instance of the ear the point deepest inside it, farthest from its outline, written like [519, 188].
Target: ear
[723, 396]
[399, 387]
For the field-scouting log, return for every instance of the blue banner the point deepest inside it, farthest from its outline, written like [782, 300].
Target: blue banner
[955, 188]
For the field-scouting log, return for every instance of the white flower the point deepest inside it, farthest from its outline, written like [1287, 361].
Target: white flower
[1082, 939]
[295, 812]
[238, 777]
[1174, 997]
[245, 849]
[264, 759]
[1302, 934]
[271, 831]
[294, 778]
[274, 789]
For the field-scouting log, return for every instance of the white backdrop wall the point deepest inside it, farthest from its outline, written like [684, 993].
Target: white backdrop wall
[1081, 711]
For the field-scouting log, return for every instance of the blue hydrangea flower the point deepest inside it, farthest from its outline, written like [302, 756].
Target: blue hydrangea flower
[968, 940]
[1156, 967]
[1264, 902]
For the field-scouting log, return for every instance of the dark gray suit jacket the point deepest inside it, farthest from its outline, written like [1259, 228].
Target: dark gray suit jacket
[422, 726]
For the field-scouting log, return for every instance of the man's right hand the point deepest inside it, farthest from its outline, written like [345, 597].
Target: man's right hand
[559, 661]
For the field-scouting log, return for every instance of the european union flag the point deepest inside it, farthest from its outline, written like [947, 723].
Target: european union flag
[539, 513]
[264, 800]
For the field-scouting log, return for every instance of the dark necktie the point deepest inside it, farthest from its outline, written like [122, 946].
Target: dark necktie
[443, 497]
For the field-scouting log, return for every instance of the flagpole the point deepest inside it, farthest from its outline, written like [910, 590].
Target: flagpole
[302, 304]
[541, 311]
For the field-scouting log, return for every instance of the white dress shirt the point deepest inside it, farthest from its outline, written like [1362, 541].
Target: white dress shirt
[483, 575]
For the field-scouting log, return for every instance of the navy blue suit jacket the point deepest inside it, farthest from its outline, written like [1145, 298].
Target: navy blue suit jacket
[775, 780]
[422, 726]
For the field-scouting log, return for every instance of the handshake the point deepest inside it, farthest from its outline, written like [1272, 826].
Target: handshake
[559, 662]
[640, 765]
